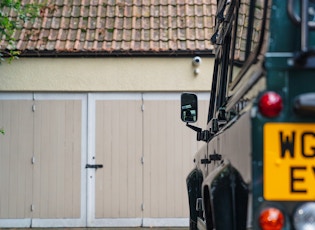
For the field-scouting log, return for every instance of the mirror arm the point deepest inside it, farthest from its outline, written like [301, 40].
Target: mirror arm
[197, 129]
[201, 135]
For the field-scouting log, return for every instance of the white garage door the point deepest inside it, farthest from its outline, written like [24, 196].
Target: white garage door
[41, 175]
[146, 153]
[104, 159]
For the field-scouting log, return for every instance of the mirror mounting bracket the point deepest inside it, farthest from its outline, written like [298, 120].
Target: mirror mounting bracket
[202, 135]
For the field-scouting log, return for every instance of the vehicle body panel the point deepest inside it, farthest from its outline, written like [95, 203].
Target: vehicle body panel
[250, 158]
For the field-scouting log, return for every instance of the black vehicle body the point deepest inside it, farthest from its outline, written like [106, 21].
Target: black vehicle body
[257, 155]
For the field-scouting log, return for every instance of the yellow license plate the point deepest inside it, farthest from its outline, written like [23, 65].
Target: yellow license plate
[289, 161]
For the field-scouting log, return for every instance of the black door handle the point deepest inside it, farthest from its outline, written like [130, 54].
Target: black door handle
[205, 161]
[93, 166]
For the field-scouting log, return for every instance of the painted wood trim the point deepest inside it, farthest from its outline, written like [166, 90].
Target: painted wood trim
[165, 222]
[15, 223]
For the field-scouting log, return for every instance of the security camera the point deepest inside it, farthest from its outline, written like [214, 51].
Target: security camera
[196, 61]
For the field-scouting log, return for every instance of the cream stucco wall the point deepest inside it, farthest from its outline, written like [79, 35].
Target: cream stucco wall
[105, 74]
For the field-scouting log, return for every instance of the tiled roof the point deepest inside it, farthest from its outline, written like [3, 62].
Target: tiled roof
[119, 26]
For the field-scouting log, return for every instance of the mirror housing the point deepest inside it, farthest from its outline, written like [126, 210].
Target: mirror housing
[189, 114]
[189, 107]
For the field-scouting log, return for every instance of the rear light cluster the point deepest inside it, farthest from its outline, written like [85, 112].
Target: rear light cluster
[271, 219]
[270, 104]
[303, 218]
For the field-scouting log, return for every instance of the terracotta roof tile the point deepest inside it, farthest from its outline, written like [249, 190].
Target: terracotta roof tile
[118, 25]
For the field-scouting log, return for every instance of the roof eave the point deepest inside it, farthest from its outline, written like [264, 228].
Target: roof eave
[118, 53]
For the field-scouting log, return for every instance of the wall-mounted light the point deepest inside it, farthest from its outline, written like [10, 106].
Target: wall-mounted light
[196, 63]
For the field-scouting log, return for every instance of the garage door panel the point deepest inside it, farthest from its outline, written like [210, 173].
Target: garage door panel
[168, 149]
[119, 149]
[58, 155]
[163, 166]
[15, 158]
[133, 156]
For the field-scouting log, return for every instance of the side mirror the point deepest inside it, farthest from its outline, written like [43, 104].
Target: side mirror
[189, 107]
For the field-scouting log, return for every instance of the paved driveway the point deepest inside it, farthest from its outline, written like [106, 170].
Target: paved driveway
[153, 228]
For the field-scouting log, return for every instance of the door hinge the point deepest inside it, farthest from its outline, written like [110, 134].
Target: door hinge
[142, 160]
[32, 208]
[33, 160]
[142, 107]
[33, 108]
[142, 207]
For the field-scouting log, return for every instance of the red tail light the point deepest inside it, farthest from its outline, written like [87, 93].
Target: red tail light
[270, 104]
[271, 219]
